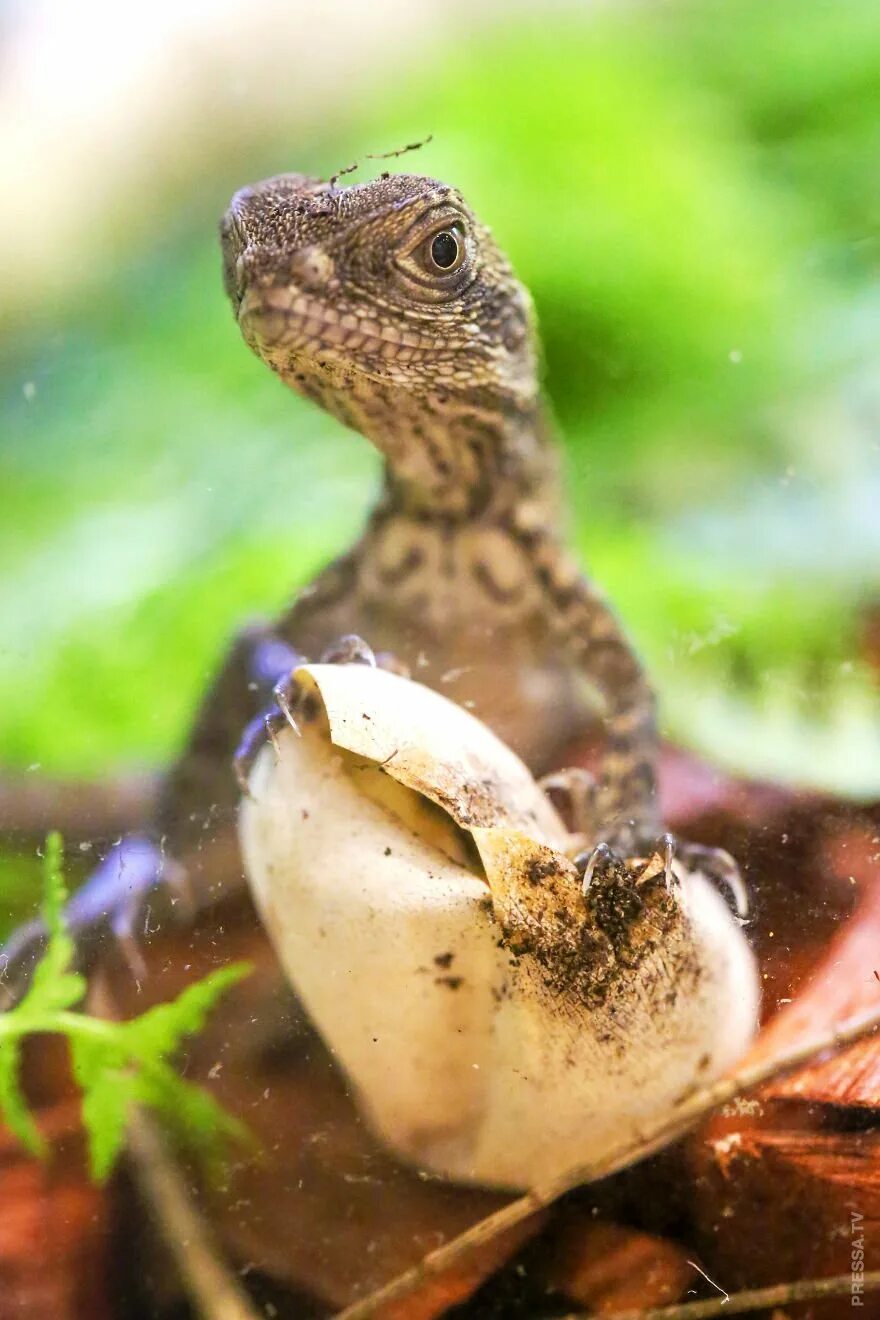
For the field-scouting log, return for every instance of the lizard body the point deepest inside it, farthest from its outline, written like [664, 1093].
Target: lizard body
[337, 290]
[390, 305]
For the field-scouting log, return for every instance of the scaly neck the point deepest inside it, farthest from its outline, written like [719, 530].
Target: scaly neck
[454, 459]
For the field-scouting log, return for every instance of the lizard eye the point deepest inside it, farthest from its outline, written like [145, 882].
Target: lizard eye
[445, 251]
[439, 262]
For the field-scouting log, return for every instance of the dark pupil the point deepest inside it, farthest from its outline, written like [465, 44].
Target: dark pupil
[444, 250]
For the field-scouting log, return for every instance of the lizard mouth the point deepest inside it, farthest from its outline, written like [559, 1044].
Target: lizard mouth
[283, 316]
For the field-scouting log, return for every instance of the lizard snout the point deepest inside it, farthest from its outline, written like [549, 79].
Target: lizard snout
[233, 241]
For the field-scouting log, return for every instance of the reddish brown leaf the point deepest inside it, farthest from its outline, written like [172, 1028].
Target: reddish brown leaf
[608, 1268]
[844, 984]
[789, 1181]
[54, 1227]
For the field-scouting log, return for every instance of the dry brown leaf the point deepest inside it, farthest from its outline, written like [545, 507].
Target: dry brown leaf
[54, 1226]
[608, 1267]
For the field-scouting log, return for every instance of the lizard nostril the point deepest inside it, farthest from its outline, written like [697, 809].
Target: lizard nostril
[312, 267]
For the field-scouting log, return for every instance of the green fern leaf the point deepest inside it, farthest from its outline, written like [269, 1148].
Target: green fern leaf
[53, 986]
[12, 1103]
[159, 1032]
[115, 1064]
[105, 1110]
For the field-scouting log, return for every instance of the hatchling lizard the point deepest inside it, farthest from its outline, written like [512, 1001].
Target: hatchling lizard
[389, 304]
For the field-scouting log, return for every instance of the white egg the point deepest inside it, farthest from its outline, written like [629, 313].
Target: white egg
[498, 1026]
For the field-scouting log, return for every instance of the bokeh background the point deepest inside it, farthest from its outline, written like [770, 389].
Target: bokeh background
[690, 189]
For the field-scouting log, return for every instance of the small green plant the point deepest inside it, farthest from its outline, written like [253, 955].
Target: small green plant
[116, 1064]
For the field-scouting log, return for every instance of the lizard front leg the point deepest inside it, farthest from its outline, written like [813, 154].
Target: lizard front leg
[624, 806]
[194, 839]
[193, 847]
[346, 650]
[620, 813]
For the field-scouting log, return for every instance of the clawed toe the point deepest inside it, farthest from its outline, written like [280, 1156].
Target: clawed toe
[654, 860]
[285, 692]
[266, 726]
[667, 843]
[353, 650]
[598, 857]
[349, 650]
[658, 857]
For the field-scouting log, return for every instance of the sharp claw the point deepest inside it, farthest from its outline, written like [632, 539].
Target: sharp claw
[272, 733]
[284, 694]
[667, 842]
[601, 853]
[264, 726]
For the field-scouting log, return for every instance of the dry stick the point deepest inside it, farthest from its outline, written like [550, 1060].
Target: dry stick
[210, 1284]
[380, 155]
[31, 805]
[658, 1134]
[754, 1299]
[349, 169]
[401, 151]
[212, 1287]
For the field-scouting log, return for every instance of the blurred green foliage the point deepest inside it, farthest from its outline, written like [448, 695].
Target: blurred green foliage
[117, 1065]
[688, 189]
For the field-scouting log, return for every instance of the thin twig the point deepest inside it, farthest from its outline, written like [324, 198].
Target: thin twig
[659, 1133]
[379, 155]
[401, 151]
[211, 1286]
[753, 1299]
[31, 805]
[334, 178]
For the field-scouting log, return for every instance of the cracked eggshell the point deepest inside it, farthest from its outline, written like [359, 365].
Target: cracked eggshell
[496, 1027]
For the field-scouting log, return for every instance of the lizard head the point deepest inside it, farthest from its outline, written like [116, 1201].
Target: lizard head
[390, 305]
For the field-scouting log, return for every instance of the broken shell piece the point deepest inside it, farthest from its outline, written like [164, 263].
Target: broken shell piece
[498, 1025]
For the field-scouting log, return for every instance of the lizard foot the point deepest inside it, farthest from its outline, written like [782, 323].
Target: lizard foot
[602, 861]
[659, 856]
[266, 726]
[114, 902]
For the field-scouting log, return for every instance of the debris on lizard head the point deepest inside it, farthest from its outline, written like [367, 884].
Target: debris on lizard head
[382, 302]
